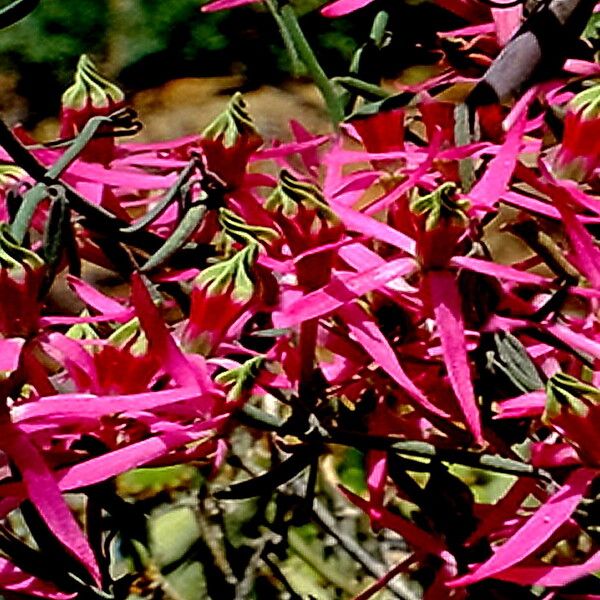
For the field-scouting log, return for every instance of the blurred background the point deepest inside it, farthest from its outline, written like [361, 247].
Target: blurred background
[177, 64]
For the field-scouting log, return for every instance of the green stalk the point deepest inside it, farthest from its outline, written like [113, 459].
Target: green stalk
[185, 228]
[358, 85]
[462, 135]
[288, 42]
[39, 191]
[331, 97]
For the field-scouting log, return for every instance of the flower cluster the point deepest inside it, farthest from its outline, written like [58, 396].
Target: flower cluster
[399, 287]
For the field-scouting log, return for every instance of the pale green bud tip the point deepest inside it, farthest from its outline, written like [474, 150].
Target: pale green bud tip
[15, 257]
[231, 276]
[234, 121]
[588, 102]
[241, 378]
[441, 204]
[292, 192]
[567, 392]
[91, 87]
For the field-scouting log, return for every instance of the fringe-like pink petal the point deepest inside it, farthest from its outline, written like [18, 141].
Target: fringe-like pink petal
[101, 468]
[507, 21]
[225, 4]
[340, 8]
[490, 187]
[90, 405]
[584, 247]
[505, 508]
[526, 405]
[12, 579]
[537, 529]
[161, 342]
[369, 336]
[446, 303]
[340, 291]
[10, 353]
[357, 221]
[45, 495]
[97, 300]
[551, 576]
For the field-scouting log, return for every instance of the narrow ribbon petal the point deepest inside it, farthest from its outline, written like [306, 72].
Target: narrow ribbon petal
[446, 304]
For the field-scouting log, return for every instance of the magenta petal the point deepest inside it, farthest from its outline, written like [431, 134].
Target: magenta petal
[137, 179]
[225, 4]
[575, 339]
[550, 576]
[413, 178]
[490, 187]
[526, 405]
[553, 456]
[538, 528]
[124, 459]
[507, 21]
[122, 317]
[582, 67]
[77, 361]
[357, 221]
[369, 336]
[503, 510]
[45, 495]
[445, 300]
[12, 579]
[584, 247]
[343, 7]
[284, 150]
[341, 291]
[95, 299]
[161, 342]
[10, 353]
[487, 267]
[109, 465]
[89, 405]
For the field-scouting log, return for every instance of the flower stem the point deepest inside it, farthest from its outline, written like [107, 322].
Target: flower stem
[307, 344]
[331, 97]
[288, 42]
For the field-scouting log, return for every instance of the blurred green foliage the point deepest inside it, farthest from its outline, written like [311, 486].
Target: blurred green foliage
[144, 43]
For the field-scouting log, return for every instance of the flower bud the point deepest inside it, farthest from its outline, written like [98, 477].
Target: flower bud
[21, 276]
[90, 95]
[221, 294]
[229, 141]
[579, 154]
[573, 409]
[440, 221]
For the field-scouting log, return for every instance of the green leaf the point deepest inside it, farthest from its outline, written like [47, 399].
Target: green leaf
[171, 534]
